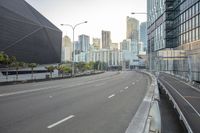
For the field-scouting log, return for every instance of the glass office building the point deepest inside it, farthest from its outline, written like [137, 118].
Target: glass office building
[174, 37]
[27, 35]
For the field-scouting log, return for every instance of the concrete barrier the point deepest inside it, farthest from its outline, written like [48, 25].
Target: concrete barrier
[147, 118]
[44, 79]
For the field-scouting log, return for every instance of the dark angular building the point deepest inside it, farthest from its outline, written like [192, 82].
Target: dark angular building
[27, 35]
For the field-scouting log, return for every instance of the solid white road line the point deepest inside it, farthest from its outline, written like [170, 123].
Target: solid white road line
[187, 84]
[27, 91]
[183, 98]
[111, 96]
[126, 87]
[61, 121]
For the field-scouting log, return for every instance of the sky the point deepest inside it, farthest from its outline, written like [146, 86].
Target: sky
[101, 15]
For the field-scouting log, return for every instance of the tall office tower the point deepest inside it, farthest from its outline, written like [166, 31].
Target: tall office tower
[84, 42]
[132, 29]
[96, 43]
[27, 35]
[143, 35]
[174, 37]
[77, 47]
[66, 49]
[106, 39]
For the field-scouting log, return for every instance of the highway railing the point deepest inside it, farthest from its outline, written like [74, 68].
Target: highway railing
[181, 115]
[147, 118]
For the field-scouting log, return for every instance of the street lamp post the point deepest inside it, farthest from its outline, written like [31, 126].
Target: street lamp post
[73, 51]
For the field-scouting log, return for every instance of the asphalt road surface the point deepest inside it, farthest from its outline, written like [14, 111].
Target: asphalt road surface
[103, 103]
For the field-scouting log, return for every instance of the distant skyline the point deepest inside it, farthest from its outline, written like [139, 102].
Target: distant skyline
[101, 15]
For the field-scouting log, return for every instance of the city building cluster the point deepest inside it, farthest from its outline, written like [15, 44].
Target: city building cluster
[128, 54]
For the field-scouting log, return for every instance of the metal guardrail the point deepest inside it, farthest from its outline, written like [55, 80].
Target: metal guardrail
[42, 77]
[181, 116]
[147, 118]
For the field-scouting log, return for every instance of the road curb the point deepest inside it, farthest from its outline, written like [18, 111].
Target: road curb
[147, 117]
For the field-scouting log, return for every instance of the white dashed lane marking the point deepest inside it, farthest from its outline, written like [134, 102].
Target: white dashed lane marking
[111, 96]
[61, 121]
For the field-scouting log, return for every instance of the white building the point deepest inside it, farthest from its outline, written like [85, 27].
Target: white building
[111, 57]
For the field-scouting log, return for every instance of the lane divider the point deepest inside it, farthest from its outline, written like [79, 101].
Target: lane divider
[111, 96]
[126, 87]
[121, 90]
[61, 121]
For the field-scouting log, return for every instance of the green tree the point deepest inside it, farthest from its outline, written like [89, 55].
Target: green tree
[67, 69]
[81, 66]
[50, 69]
[1, 57]
[86, 66]
[18, 65]
[32, 66]
[96, 65]
[6, 60]
[60, 69]
[91, 65]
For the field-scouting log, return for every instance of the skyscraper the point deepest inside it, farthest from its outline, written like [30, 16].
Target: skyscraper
[143, 34]
[125, 45]
[84, 42]
[66, 49]
[77, 47]
[132, 29]
[106, 39]
[96, 43]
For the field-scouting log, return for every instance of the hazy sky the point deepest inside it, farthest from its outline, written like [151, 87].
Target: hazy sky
[100, 14]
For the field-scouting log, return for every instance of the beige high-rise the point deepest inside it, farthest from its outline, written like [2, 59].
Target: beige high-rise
[66, 49]
[114, 46]
[132, 29]
[96, 43]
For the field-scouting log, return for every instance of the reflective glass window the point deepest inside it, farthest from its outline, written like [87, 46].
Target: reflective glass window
[197, 34]
[193, 35]
[197, 7]
[197, 21]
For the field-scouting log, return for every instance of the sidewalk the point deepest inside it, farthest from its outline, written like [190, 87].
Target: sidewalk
[187, 98]
[21, 77]
[37, 77]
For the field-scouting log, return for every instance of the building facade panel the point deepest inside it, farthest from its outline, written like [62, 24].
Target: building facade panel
[181, 38]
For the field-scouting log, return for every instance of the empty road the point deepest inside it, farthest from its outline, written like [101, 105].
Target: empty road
[103, 103]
